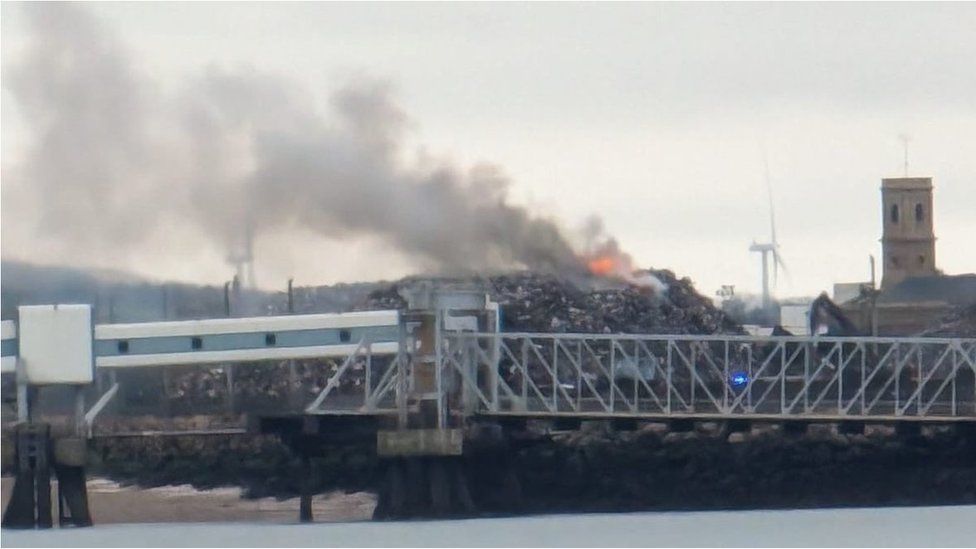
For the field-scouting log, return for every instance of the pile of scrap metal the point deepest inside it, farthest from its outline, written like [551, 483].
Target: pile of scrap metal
[959, 323]
[536, 302]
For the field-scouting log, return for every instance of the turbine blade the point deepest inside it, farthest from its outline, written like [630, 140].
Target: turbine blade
[780, 264]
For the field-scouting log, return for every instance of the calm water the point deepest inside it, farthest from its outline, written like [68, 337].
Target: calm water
[907, 526]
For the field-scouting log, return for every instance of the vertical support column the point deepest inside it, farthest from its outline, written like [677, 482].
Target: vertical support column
[30, 502]
[368, 375]
[898, 366]
[23, 401]
[438, 364]
[727, 376]
[229, 370]
[525, 374]
[305, 500]
[494, 376]
[613, 374]
[579, 375]
[555, 376]
[402, 386]
[860, 388]
[783, 363]
[840, 379]
[955, 374]
[668, 374]
[293, 393]
[80, 428]
[693, 373]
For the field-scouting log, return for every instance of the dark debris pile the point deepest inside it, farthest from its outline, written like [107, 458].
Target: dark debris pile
[959, 323]
[533, 302]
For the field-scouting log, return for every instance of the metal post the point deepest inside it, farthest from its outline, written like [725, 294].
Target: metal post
[840, 379]
[292, 370]
[229, 370]
[368, 384]
[80, 429]
[783, 363]
[955, 370]
[613, 374]
[23, 401]
[525, 374]
[806, 376]
[579, 375]
[494, 376]
[291, 297]
[726, 380]
[555, 376]
[401, 366]
[226, 298]
[438, 375]
[898, 366]
[638, 376]
[670, 368]
[863, 367]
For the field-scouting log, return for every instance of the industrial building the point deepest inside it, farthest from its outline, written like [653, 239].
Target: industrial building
[914, 294]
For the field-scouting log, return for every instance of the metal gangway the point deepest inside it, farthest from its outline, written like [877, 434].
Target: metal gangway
[385, 363]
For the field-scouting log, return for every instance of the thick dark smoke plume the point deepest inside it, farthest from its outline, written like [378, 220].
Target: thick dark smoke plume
[116, 157]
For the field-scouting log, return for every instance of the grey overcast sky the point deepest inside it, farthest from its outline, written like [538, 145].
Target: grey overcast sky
[652, 116]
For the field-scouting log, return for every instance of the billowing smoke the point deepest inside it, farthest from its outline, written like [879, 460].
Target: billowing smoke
[115, 157]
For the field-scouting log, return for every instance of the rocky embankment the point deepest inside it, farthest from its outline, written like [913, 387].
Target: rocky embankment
[599, 469]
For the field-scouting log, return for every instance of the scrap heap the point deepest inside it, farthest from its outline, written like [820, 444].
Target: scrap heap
[959, 323]
[534, 302]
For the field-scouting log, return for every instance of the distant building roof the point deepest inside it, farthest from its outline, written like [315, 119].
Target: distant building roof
[846, 291]
[955, 290]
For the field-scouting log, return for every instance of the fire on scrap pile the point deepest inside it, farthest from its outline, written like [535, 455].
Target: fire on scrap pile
[537, 302]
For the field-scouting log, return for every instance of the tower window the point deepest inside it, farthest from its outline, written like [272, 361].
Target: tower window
[894, 213]
[919, 212]
[921, 260]
[895, 262]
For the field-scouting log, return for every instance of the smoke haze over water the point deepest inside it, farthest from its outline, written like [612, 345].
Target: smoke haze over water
[115, 159]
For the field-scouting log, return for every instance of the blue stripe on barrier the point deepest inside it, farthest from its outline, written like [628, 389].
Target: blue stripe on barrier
[8, 347]
[244, 341]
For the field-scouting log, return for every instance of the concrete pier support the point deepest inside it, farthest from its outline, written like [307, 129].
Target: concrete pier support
[431, 474]
[424, 487]
[305, 498]
[36, 456]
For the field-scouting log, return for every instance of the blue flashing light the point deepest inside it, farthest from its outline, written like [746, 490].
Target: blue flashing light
[739, 379]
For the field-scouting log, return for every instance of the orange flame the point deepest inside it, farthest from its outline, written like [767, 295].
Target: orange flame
[602, 266]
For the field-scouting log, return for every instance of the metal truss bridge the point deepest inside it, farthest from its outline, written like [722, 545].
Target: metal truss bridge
[676, 376]
[395, 363]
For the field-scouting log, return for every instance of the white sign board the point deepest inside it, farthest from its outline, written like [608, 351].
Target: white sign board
[56, 344]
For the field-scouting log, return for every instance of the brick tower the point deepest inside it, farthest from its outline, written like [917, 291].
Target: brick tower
[908, 239]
